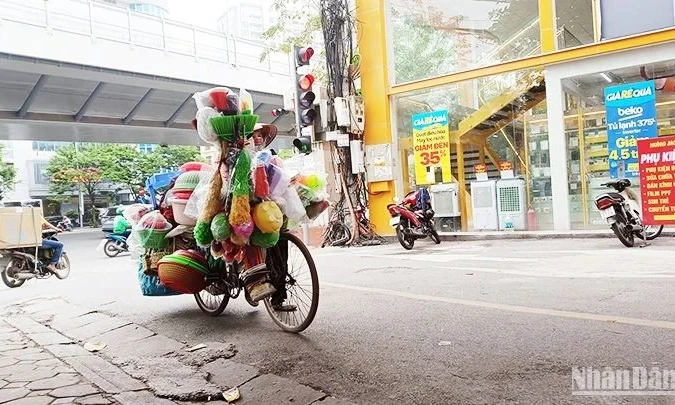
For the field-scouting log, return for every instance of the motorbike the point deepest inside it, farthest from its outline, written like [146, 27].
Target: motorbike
[65, 226]
[24, 264]
[115, 244]
[412, 223]
[622, 212]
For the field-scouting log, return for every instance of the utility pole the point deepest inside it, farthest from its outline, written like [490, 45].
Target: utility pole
[80, 201]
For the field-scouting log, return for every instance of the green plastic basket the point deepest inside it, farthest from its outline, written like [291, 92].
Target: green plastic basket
[152, 238]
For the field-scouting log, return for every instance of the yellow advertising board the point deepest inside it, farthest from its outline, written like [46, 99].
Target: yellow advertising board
[431, 144]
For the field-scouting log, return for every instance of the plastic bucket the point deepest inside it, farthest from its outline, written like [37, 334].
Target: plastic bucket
[179, 213]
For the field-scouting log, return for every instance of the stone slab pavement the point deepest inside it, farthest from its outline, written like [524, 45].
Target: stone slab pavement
[43, 360]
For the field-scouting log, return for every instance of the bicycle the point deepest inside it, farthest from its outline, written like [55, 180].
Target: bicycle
[286, 303]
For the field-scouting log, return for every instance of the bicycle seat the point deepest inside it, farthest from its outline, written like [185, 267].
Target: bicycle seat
[619, 185]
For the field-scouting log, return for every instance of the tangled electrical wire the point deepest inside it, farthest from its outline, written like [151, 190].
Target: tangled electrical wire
[348, 224]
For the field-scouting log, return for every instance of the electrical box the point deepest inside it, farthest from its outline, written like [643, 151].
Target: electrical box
[512, 204]
[357, 114]
[342, 112]
[356, 151]
[484, 203]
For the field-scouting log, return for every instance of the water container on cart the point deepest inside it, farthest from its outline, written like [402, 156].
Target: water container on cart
[484, 205]
[512, 204]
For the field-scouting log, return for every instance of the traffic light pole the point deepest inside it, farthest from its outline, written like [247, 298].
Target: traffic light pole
[298, 108]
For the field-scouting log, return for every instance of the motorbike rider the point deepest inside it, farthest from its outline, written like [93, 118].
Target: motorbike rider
[120, 225]
[52, 244]
[65, 223]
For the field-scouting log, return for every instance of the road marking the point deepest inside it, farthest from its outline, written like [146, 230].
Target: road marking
[512, 308]
[567, 274]
[443, 258]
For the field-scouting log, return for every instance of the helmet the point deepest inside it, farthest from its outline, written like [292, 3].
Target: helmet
[120, 210]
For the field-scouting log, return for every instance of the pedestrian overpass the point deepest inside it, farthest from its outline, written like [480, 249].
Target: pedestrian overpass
[83, 71]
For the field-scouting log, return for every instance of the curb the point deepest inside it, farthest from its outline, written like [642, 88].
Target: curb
[138, 366]
[524, 235]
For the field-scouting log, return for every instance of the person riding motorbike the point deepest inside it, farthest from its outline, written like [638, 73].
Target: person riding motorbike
[120, 225]
[52, 244]
[65, 223]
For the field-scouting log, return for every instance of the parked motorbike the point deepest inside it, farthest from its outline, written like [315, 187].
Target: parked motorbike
[115, 244]
[622, 212]
[24, 265]
[411, 222]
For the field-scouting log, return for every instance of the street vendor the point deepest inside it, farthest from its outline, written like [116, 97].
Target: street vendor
[263, 135]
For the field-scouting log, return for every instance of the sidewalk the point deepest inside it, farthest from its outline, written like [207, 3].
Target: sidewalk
[43, 361]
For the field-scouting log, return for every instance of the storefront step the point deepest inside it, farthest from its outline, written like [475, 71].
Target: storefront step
[495, 235]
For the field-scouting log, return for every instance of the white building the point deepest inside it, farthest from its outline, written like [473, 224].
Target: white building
[247, 18]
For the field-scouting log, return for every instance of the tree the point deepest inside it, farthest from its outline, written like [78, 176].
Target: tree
[7, 175]
[73, 169]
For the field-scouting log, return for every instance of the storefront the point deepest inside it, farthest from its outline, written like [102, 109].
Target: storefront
[521, 81]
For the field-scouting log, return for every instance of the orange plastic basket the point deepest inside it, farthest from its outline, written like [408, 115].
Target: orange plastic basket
[181, 278]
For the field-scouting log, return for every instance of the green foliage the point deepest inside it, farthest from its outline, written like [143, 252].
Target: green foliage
[93, 165]
[420, 49]
[7, 175]
[286, 153]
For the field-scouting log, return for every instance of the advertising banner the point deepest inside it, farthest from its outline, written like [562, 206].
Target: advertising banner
[657, 175]
[631, 116]
[431, 143]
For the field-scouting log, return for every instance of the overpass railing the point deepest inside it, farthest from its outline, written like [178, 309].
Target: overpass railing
[105, 22]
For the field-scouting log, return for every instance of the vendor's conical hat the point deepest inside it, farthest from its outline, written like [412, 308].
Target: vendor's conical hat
[269, 132]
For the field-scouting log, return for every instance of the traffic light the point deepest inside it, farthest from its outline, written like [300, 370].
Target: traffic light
[303, 143]
[304, 98]
[278, 112]
[303, 55]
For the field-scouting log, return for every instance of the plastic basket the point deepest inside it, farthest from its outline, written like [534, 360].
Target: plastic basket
[181, 278]
[152, 238]
[151, 286]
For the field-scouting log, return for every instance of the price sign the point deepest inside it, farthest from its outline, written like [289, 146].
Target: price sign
[657, 180]
[431, 143]
[631, 116]
[481, 172]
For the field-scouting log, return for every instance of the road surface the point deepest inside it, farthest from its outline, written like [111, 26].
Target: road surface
[458, 323]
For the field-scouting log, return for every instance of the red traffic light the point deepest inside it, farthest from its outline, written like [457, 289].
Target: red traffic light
[303, 55]
[305, 82]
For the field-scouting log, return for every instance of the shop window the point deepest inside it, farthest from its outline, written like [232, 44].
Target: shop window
[574, 22]
[516, 132]
[588, 151]
[431, 39]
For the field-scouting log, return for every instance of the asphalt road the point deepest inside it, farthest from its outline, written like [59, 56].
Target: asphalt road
[459, 323]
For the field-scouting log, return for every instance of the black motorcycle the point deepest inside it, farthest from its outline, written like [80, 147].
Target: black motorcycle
[24, 265]
[623, 214]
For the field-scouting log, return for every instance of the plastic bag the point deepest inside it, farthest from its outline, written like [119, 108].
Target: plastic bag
[133, 213]
[268, 217]
[245, 102]
[204, 127]
[203, 98]
[198, 196]
[152, 230]
[291, 205]
[136, 249]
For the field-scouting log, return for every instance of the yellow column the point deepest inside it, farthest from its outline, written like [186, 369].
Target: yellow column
[372, 35]
[464, 200]
[547, 25]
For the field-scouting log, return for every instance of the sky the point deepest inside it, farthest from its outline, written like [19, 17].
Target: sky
[202, 13]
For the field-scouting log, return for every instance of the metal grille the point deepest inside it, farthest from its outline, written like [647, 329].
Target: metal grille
[509, 199]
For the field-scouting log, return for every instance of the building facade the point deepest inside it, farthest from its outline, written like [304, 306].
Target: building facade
[521, 81]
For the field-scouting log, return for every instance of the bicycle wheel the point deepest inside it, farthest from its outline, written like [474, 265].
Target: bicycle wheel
[293, 273]
[213, 299]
